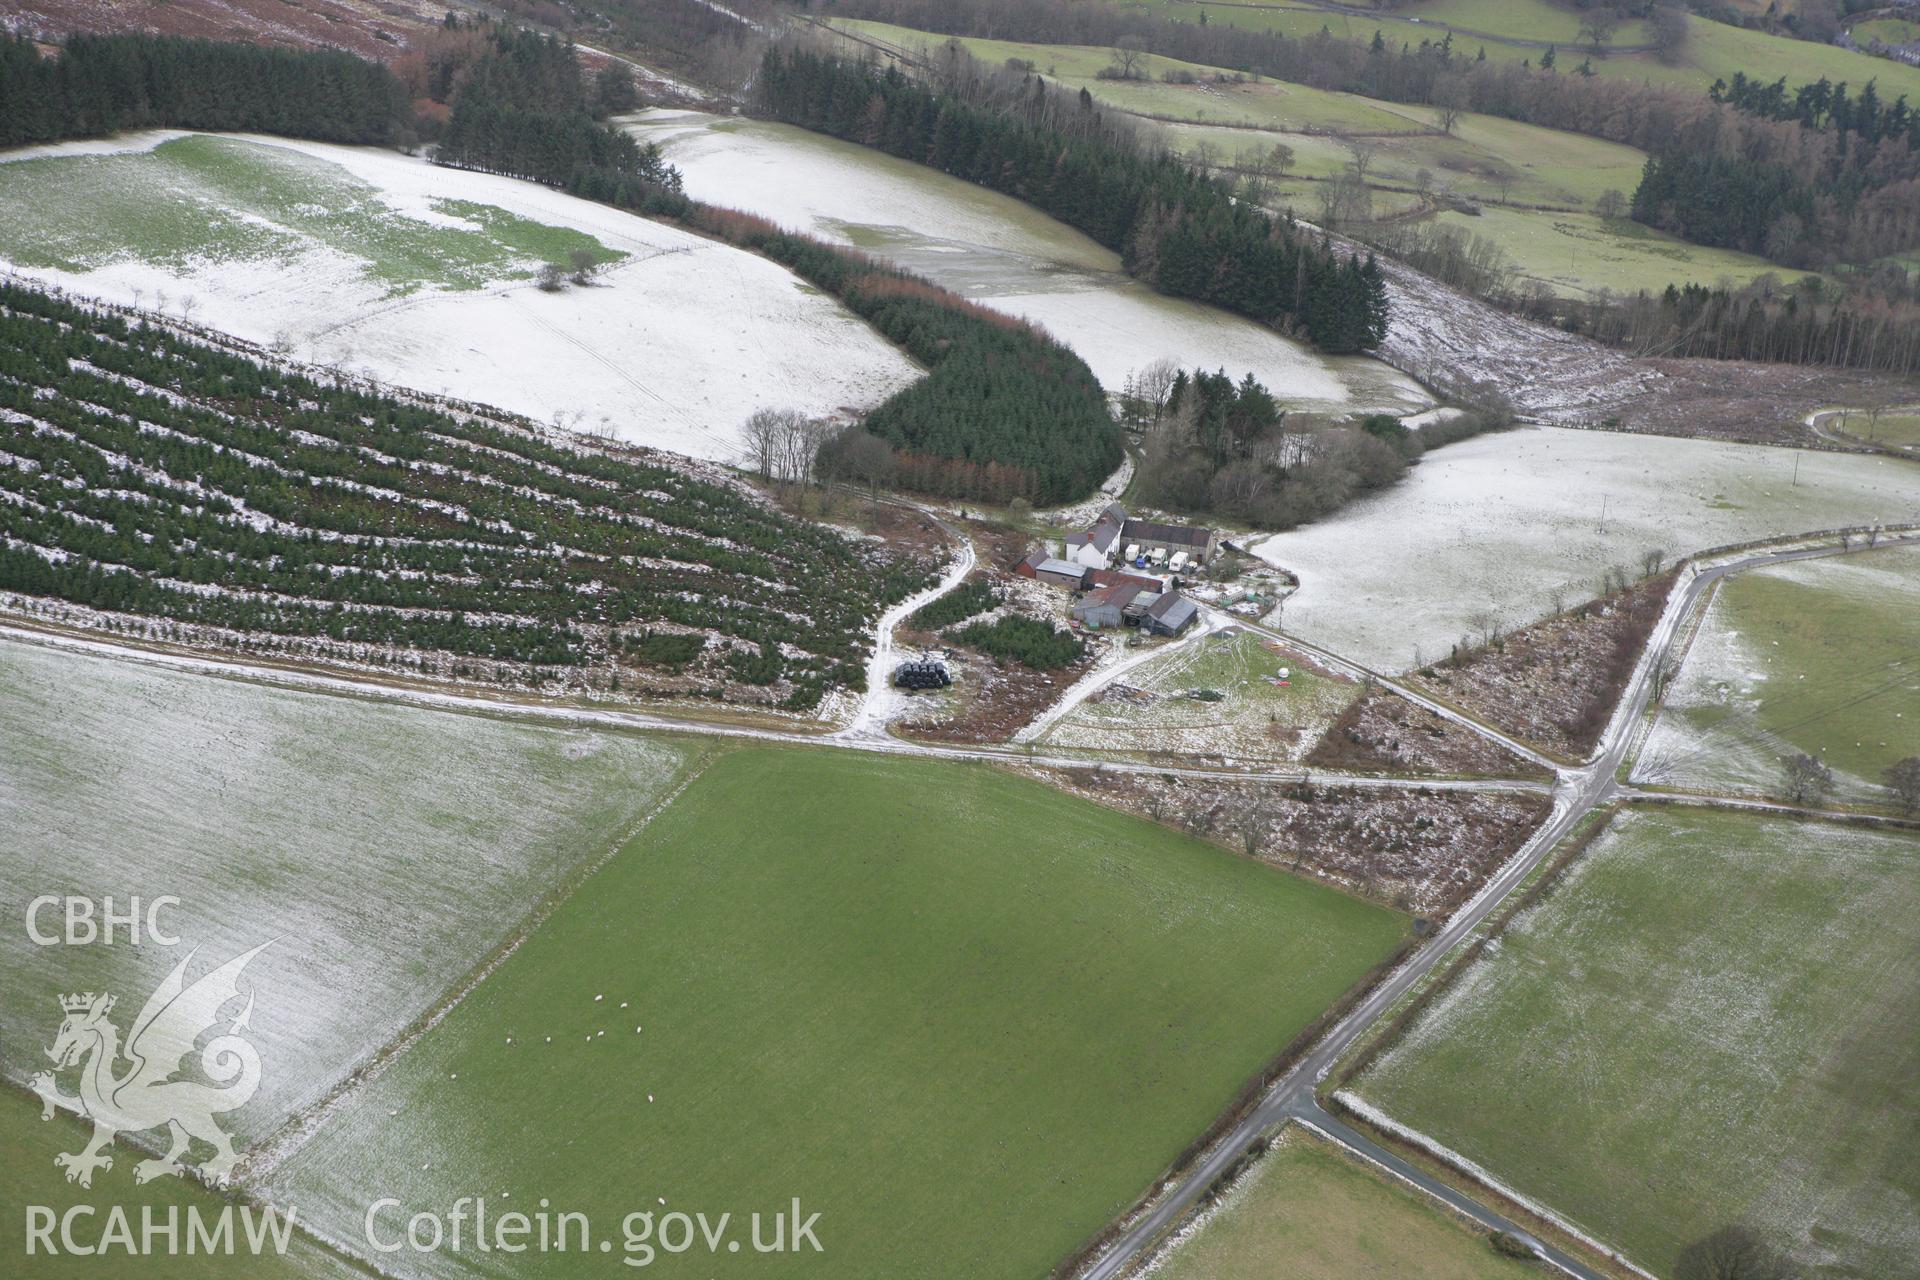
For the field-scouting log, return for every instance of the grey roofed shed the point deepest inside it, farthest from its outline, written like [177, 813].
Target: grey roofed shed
[1105, 607]
[1171, 614]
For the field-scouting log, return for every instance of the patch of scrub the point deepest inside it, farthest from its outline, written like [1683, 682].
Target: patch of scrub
[1501, 526]
[422, 277]
[996, 250]
[1697, 1026]
[385, 850]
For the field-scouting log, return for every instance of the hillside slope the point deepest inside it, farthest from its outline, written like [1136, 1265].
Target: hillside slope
[163, 487]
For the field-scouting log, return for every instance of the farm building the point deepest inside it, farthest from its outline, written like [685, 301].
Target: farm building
[1114, 577]
[1169, 613]
[1047, 568]
[1151, 535]
[1115, 535]
[1105, 608]
[1097, 546]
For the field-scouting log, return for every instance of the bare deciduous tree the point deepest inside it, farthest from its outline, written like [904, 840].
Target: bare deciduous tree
[1450, 100]
[1806, 779]
[1731, 1253]
[1670, 31]
[1155, 384]
[1253, 829]
[1364, 150]
[1597, 26]
[1903, 779]
[1128, 53]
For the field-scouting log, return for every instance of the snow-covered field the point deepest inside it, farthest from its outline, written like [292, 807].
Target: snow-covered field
[1004, 253]
[385, 849]
[680, 339]
[1499, 524]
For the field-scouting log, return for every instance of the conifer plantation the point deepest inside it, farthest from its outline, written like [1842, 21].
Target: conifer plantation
[102, 84]
[191, 491]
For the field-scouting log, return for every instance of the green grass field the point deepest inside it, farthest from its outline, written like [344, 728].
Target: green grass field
[1821, 657]
[1510, 30]
[1708, 1020]
[1501, 164]
[962, 1016]
[1891, 428]
[1886, 31]
[28, 1178]
[1307, 1211]
[1257, 719]
[1582, 253]
[226, 199]
[1548, 167]
[386, 849]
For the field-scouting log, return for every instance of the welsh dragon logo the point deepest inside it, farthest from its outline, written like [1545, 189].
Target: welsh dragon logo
[149, 1093]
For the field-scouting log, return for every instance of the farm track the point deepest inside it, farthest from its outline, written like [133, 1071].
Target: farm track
[1821, 424]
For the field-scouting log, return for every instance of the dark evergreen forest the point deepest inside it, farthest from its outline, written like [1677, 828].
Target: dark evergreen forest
[1006, 411]
[525, 110]
[101, 84]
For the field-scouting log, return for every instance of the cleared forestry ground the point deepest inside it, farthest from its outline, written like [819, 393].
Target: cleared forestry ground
[1701, 1023]
[385, 849]
[1821, 657]
[1309, 1211]
[962, 1016]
